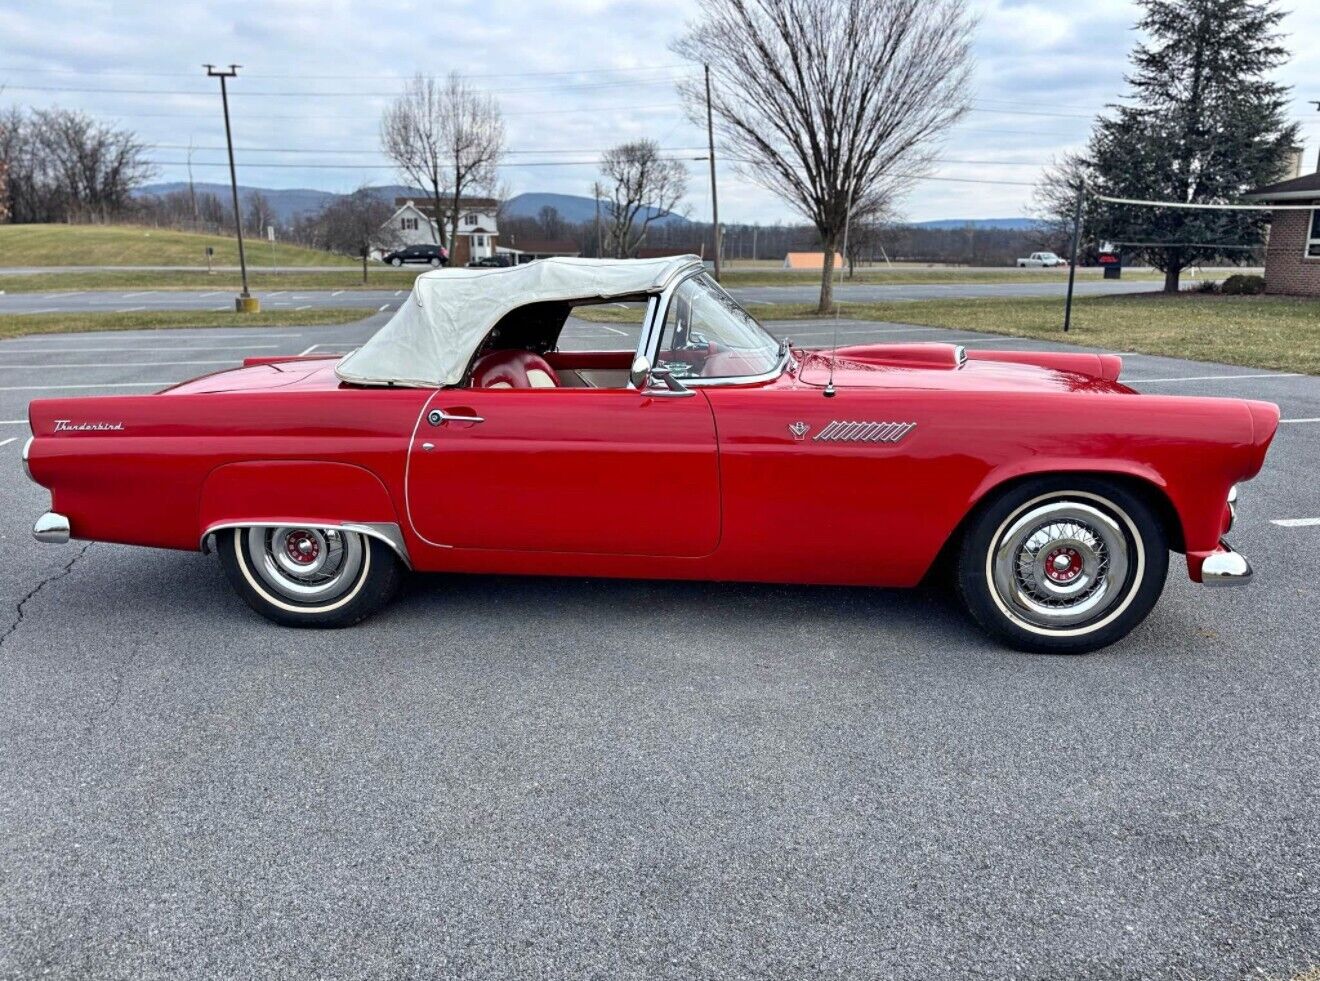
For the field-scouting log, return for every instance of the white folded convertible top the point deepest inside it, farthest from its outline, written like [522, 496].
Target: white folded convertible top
[429, 342]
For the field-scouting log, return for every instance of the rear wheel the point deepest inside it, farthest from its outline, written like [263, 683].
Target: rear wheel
[302, 576]
[1063, 565]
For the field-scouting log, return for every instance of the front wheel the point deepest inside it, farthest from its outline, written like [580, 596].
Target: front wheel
[309, 577]
[396, 262]
[1063, 565]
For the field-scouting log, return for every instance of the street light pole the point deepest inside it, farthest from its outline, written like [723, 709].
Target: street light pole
[246, 302]
[714, 198]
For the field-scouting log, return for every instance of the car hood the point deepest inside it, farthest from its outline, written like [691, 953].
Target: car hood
[949, 366]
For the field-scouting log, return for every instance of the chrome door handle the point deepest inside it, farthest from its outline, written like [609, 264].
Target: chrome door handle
[438, 417]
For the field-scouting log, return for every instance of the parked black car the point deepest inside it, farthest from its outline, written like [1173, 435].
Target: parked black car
[430, 255]
[492, 260]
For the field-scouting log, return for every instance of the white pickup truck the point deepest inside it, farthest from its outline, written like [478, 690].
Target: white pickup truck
[1041, 259]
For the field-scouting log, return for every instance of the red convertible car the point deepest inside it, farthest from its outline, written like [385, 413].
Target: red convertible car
[475, 432]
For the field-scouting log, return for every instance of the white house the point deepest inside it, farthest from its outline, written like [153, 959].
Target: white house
[413, 224]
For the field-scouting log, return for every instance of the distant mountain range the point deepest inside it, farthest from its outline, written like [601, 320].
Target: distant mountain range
[1013, 224]
[293, 203]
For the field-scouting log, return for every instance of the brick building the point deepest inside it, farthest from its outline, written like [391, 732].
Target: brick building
[414, 224]
[1292, 251]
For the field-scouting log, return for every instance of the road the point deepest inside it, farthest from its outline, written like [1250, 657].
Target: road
[567, 778]
[119, 301]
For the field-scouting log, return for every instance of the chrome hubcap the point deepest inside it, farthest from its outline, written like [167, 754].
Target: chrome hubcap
[1061, 564]
[308, 565]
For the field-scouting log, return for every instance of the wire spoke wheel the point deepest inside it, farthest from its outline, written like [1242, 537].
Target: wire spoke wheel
[1062, 564]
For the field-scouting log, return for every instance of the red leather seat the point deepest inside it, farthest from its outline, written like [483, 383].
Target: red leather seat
[513, 369]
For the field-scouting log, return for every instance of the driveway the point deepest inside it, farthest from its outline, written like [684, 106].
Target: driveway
[589, 778]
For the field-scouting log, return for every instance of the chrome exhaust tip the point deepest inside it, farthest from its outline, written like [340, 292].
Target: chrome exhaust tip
[51, 528]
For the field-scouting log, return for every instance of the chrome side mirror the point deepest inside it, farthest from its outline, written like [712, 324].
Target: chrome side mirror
[656, 382]
[639, 375]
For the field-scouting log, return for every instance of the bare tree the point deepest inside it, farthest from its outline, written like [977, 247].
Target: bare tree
[350, 224]
[834, 105]
[64, 165]
[642, 186]
[260, 213]
[445, 137]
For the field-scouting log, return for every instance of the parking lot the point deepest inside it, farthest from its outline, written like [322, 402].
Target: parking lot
[565, 777]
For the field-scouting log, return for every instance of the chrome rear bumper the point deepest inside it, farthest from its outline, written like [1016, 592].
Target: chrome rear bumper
[1225, 568]
[51, 528]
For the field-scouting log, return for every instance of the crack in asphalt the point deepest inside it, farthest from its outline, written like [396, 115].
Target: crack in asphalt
[20, 615]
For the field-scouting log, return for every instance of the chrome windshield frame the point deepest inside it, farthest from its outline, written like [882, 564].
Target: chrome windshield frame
[648, 344]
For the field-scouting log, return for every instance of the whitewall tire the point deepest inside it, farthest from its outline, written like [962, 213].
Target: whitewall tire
[303, 576]
[1063, 565]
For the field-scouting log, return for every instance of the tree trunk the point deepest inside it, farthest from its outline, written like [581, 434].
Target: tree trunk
[1171, 278]
[826, 304]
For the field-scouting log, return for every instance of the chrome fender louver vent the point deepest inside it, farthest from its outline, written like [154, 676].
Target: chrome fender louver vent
[848, 431]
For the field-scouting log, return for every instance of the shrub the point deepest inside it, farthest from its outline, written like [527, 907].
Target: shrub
[1206, 286]
[1242, 284]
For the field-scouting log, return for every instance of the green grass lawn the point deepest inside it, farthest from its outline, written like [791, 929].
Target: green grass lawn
[19, 325]
[1273, 332]
[379, 278]
[133, 245]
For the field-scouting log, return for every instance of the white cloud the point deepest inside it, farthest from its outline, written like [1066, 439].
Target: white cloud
[1033, 57]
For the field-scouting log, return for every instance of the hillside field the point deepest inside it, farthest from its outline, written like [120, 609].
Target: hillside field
[133, 245]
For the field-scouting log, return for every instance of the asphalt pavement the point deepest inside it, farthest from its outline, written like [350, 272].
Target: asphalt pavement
[502, 777]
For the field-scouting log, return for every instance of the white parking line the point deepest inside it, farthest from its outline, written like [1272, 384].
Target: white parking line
[129, 296]
[1198, 378]
[6, 442]
[398, 292]
[13, 422]
[383, 306]
[307, 307]
[212, 293]
[1287, 522]
[308, 351]
[110, 364]
[1312, 419]
[82, 350]
[52, 388]
[137, 336]
[336, 292]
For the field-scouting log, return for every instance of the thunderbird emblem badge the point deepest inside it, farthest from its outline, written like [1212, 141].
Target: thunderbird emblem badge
[798, 429]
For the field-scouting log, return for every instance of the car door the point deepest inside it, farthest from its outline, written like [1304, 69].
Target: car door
[580, 470]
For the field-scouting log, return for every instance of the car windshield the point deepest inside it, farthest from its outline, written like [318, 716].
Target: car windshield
[706, 334]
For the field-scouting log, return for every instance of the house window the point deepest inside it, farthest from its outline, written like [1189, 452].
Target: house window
[469, 219]
[1313, 238]
[479, 241]
[408, 224]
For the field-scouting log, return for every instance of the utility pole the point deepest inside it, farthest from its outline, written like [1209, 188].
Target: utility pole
[245, 302]
[1072, 266]
[714, 197]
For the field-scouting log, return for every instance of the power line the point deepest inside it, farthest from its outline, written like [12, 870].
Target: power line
[266, 94]
[113, 73]
[339, 116]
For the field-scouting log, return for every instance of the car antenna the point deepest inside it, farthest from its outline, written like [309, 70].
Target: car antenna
[834, 345]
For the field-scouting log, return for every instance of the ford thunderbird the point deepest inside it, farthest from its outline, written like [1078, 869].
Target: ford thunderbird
[485, 430]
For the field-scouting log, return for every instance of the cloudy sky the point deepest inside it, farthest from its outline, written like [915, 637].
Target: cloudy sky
[572, 76]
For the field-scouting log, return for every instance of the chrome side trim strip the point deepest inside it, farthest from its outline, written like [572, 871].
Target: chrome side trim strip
[26, 448]
[848, 431]
[386, 531]
[1226, 568]
[51, 528]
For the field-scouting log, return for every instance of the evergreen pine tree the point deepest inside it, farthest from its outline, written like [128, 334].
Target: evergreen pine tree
[1204, 124]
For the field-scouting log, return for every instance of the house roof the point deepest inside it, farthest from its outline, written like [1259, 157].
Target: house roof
[464, 204]
[1304, 187]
